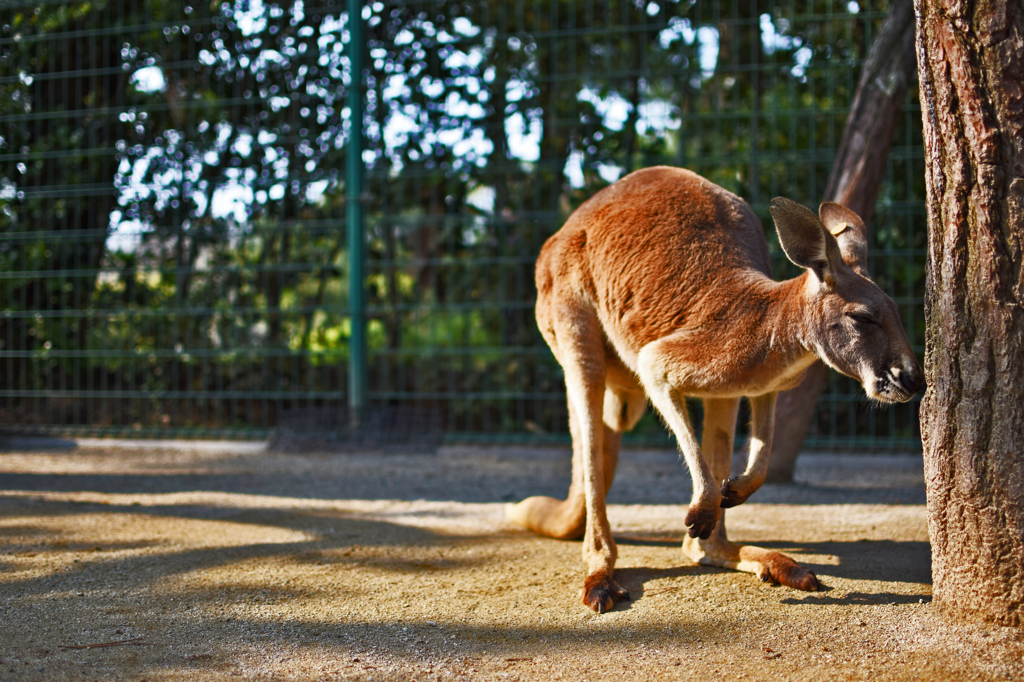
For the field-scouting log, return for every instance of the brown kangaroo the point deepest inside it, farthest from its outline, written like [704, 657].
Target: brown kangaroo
[659, 287]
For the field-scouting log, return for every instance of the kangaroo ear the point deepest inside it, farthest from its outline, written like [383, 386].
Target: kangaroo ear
[804, 239]
[850, 232]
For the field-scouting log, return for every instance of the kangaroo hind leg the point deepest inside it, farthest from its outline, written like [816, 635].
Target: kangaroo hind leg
[565, 519]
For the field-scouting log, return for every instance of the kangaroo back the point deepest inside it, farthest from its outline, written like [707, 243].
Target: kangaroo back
[653, 253]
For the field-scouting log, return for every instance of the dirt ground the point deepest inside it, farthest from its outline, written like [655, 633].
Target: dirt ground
[223, 561]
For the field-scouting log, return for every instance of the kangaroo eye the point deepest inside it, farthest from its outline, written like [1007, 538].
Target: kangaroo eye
[860, 319]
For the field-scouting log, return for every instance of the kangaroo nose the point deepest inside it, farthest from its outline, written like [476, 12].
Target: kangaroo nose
[912, 381]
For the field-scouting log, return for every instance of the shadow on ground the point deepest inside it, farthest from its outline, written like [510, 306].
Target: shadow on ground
[456, 474]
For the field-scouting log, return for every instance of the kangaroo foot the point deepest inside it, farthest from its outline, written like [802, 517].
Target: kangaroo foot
[780, 569]
[600, 592]
[770, 567]
[701, 519]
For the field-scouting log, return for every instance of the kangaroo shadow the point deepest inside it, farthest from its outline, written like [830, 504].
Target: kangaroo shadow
[859, 599]
[636, 579]
[648, 540]
[882, 560]
[903, 561]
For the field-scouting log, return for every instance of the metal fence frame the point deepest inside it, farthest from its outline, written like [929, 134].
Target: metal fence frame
[433, 338]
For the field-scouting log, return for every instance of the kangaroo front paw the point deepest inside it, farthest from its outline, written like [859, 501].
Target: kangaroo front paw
[731, 495]
[784, 571]
[600, 592]
[701, 519]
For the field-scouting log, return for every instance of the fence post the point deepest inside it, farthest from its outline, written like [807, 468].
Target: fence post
[354, 213]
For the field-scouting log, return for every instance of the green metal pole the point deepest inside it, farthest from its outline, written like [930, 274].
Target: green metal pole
[357, 398]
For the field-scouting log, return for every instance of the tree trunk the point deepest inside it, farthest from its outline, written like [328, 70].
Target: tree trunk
[971, 65]
[856, 175]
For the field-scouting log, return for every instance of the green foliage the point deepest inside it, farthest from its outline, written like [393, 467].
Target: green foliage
[172, 199]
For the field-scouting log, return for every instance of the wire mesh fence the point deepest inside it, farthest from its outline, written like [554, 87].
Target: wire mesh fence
[173, 255]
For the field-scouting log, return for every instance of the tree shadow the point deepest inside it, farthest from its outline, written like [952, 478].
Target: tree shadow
[94, 591]
[330, 535]
[223, 637]
[332, 531]
[359, 649]
[34, 444]
[466, 475]
[412, 478]
[859, 599]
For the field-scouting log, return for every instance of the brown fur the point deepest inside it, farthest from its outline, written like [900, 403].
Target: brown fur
[600, 592]
[659, 287]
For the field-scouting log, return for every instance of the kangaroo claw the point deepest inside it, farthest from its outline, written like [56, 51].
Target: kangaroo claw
[731, 496]
[600, 592]
[700, 521]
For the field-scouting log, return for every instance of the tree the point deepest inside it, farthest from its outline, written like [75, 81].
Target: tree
[971, 66]
[853, 182]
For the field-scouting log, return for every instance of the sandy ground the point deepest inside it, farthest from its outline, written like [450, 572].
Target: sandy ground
[223, 562]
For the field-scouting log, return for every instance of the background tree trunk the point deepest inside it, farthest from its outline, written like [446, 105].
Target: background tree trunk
[856, 175]
[971, 65]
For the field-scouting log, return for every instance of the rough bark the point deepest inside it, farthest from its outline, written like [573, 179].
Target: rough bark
[971, 65]
[853, 182]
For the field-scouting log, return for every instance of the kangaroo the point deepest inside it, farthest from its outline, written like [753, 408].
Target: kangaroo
[659, 287]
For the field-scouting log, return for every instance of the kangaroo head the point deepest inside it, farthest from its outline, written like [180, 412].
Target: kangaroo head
[849, 322]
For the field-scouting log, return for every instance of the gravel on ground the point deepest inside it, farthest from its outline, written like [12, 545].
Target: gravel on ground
[217, 561]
